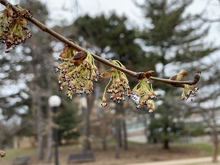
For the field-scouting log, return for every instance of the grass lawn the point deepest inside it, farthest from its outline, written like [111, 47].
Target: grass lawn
[207, 147]
[136, 153]
[11, 153]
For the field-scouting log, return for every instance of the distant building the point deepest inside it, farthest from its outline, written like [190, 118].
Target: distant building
[24, 142]
[136, 130]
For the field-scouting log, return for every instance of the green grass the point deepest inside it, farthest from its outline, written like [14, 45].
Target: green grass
[207, 147]
[10, 153]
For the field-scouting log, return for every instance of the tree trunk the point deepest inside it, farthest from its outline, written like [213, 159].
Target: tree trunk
[125, 135]
[40, 127]
[118, 139]
[146, 128]
[40, 147]
[86, 118]
[104, 144]
[49, 139]
[215, 146]
[166, 144]
[86, 131]
[117, 156]
[120, 132]
[104, 132]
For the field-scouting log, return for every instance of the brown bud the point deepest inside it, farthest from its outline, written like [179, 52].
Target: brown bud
[79, 58]
[197, 76]
[64, 53]
[147, 74]
[105, 74]
[179, 75]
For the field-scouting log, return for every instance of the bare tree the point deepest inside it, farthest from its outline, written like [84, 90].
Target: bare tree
[207, 105]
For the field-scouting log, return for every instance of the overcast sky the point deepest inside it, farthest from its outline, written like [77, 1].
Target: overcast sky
[70, 9]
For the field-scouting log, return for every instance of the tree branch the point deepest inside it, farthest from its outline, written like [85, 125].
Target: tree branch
[137, 75]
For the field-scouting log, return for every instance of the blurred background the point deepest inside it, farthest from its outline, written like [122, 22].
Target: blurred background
[162, 35]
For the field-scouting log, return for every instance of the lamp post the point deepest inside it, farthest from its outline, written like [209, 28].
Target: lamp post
[54, 102]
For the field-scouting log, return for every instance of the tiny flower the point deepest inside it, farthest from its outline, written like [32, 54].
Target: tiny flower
[70, 94]
[151, 106]
[87, 92]
[62, 85]
[60, 79]
[104, 104]
[150, 111]
[110, 89]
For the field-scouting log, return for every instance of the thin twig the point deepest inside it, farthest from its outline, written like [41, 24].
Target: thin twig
[98, 58]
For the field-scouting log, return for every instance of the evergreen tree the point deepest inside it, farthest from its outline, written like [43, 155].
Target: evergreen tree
[110, 37]
[172, 38]
[68, 121]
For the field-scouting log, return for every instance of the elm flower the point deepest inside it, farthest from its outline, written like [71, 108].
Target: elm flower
[117, 86]
[104, 102]
[13, 30]
[143, 95]
[77, 71]
[188, 91]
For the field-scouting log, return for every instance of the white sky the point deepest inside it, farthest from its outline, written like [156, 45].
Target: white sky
[65, 10]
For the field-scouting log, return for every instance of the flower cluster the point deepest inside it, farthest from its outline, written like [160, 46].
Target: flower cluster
[188, 90]
[2, 153]
[77, 71]
[117, 86]
[13, 30]
[143, 95]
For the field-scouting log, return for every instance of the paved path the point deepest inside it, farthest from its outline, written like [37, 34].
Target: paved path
[196, 161]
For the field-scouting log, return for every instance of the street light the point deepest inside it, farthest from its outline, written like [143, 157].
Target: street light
[54, 102]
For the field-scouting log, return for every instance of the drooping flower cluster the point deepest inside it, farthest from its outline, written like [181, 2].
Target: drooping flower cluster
[188, 90]
[77, 71]
[13, 30]
[2, 153]
[144, 95]
[117, 86]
